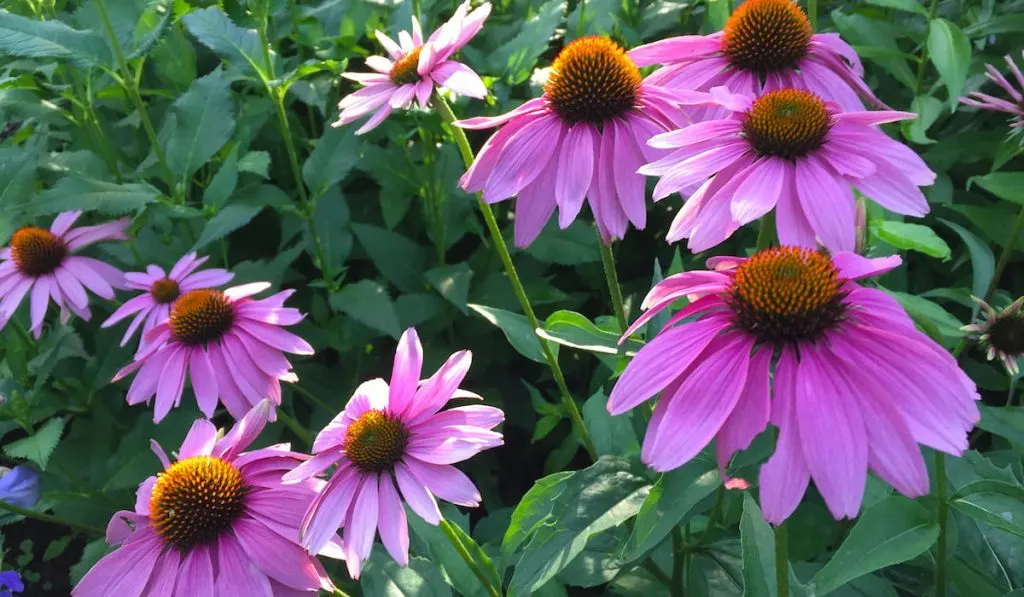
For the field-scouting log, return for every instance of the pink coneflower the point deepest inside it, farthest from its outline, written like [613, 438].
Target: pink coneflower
[1001, 333]
[583, 139]
[414, 69]
[217, 522]
[230, 346]
[988, 102]
[765, 45]
[390, 435]
[789, 336]
[160, 290]
[790, 151]
[44, 262]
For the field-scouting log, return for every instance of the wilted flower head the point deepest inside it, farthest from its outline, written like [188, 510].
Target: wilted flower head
[20, 486]
[393, 438]
[229, 345]
[414, 68]
[584, 138]
[160, 290]
[44, 262]
[765, 45]
[789, 336]
[1001, 333]
[987, 102]
[216, 522]
[790, 151]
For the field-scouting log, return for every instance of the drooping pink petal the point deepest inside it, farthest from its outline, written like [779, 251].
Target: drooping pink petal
[394, 531]
[750, 415]
[416, 495]
[784, 478]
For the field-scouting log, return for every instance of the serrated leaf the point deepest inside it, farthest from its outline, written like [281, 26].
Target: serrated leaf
[40, 445]
[217, 31]
[226, 221]
[30, 38]
[517, 331]
[950, 52]
[452, 282]
[204, 119]
[911, 237]
[333, 157]
[78, 192]
[153, 37]
[368, 303]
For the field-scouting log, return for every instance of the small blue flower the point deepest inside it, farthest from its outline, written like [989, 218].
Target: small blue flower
[19, 486]
[10, 582]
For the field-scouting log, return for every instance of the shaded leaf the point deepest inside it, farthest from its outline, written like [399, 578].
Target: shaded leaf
[368, 303]
[950, 52]
[79, 192]
[39, 446]
[31, 38]
[517, 330]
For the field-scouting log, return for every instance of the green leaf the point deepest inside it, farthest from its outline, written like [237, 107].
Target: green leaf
[442, 554]
[758, 543]
[156, 33]
[1006, 421]
[87, 194]
[572, 246]
[223, 183]
[572, 329]
[94, 550]
[904, 5]
[1006, 23]
[983, 262]
[911, 237]
[613, 436]
[999, 504]
[892, 531]
[517, 331]
[199, 123]
[256, 162]
[1008, 186]
[368, 303]
[331, 220]
[929, 315]
[452, 282]
[516, 58]
[533, 509]
[227, 220]
[333, 157]
[398, 259]
[31, 38]
[928, 110]
[670, 503]
[866, 32]
[382, 577]
[593, 500]
[215, 30]
[39, 446]
[950, 52]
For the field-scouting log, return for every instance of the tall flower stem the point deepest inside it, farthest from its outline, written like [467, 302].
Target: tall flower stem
[781, 561]
[812, 14]
[678, 563]
[614, 290]
[453, 538]
[943, 513]
[919, 82]
[766, 232]
[50, 519]
[445, 111]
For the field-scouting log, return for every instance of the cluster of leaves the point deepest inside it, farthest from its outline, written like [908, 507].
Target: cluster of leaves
[208, 124]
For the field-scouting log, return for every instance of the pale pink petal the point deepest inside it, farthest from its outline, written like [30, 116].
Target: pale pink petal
[784, 478]
[394, 530]
[405, 373]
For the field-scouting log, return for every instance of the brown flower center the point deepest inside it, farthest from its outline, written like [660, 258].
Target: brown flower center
[196, 500]
[164, 290]
[592, 80]
[766, 35]
[788, 123]
[375, 441]
[201, 316]
[1006, 334]
[787, 294]
[37, 251]
[404, 70]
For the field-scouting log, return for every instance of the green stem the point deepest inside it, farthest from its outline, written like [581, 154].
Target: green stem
[812, 14]
[301, 391]
[303, 434]
[614, 290]
[657, 573]
[716, 511]
[130, 85]
[919, 82]
[766, 233]
[781, 562]
[940, 547]
[579, 23]
[445, 111]
[678, 564]
[51, 519]
[453, 538]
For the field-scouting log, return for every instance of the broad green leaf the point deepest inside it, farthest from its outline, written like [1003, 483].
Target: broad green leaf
[999, 504]
[599, 17]
[904, 5]
[164, 15]
[227, 220]
[517, 331]
[516, 58]
[950, 52]
[256, 162]
[331, 220]
[928, 110]
[79, 192]
[995, 222]
[1006, 23]
[613, 436]
[452, 282]
[911, 237]
[983, 262]
[223, 183]
[31, 38]
[94, 550]
[1008, 186]
[333, 157]
[533, 509]
[382, 577]
[215, 30]
[368, 303]
[1006, 421]
[758, 541]
[397, 258]
[594, 500]
[867, 32]
[935, 320]
[416, 308]
[574, 330]
[572, 246]
[39, 446]
[670, 503]
[442, 553]
[892, 531]
[200, 122]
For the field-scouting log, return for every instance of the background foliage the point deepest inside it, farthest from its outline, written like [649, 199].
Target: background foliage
[207, 123]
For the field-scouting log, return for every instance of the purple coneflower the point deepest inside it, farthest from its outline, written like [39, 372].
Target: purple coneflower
[230, 346]
[160, 290]
[1001, 333]
[790, 151]
[217, 522]
[789, 336]
[987, 102]
[44, 262]
[390, 439]
[414, 68]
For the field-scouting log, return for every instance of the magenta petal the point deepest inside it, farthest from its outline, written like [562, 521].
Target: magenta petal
[784, 478]
[237, 574]
[281, 560]
[405, 373]
[827, 201]
[361, 526]
[244, 432]
[394, 530]
[199, 441]
[854, 267]
[438, 390]
[195, 576]
[171, 383]
[446, 482]
[165, 575]
[204, 381]
[575, 171]
[328, 510]
[416, 494]
[750, 415]
[124, 572]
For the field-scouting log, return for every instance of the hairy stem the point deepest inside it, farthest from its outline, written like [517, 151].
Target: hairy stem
[27, 513]
[445, 111]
